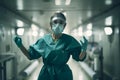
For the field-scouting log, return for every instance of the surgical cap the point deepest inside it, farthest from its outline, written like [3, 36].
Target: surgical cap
[58, 15]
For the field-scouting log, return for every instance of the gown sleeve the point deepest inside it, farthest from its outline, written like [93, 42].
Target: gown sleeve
[74, 48]
[36, 50]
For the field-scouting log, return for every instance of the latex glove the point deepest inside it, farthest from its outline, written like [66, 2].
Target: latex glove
[84, 43]
[18, 41]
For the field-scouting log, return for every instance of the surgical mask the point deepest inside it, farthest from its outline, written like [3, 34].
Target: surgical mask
[57, 28]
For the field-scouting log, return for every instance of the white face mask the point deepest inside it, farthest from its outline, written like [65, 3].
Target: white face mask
[57, 28]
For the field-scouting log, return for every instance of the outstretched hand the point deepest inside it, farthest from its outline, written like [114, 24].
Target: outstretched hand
[18, 41]
[84, 43]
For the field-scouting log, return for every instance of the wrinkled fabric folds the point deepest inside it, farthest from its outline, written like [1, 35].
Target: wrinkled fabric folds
[55, 56]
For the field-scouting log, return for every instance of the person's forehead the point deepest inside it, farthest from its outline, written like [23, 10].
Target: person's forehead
[57, 18]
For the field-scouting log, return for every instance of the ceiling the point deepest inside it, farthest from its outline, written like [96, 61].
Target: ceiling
[39, 11]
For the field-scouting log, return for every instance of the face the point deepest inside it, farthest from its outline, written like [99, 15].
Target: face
[57, 25]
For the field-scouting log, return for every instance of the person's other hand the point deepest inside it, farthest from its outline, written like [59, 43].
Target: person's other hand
[18, 41]
[84, 43]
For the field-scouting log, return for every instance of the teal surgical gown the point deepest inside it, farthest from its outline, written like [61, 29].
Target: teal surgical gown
[55, 56]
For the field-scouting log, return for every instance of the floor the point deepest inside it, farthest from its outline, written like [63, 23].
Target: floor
[78, 73]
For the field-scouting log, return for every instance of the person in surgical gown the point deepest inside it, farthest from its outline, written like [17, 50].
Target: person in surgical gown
[55, 50]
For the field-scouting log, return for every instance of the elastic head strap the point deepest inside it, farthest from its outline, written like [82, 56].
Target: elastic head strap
[58, 18]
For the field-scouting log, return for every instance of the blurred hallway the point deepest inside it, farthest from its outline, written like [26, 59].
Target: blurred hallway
[97, 20]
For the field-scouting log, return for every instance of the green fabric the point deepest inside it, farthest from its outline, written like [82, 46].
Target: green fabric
[55, 55]
[84, 43]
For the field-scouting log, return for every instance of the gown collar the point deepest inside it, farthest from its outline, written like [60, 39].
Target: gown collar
[49, 39]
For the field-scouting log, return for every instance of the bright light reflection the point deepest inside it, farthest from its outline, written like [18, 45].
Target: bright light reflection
[19, 23]
[108, 30]
[13, 31]
[20, 4]
[35, 33]
[89, 13]
[88, 32]
[80, 31]
[57, 2]
[34, 27]
[67, 2]
[20, 31]
[117, 30]
[89, 26]
[108, 20]
[79, 20]
[108, 2]
[65, 13]
[41, 33]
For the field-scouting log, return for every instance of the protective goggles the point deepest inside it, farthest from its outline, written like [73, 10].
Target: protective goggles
[59, 20]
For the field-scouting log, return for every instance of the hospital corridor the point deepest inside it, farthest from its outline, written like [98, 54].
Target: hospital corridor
[59, 39]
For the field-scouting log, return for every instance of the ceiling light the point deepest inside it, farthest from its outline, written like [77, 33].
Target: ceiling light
[89, 26]
[61, 2]
[35, 33]
[20, 31]
[89, 33]
[57, 2]
[108, 20]
[89, 13]
[19, 23]
[108, 2]
[41, 32]
[20, 4]
[67, 2]
[108, 30]
[34, 27]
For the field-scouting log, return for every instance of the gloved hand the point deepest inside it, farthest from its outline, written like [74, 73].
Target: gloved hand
[84, 43]
[18, 41]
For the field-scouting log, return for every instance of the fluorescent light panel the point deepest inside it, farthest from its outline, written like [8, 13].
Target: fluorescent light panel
[108, 20]
[19, 23]
[20, 4]
[67, 2]
[35, 33]
[89, 26]
[108, 2]
[108, 30]
[34, 27]
[59, 2]
[89, 33]
[20, 31]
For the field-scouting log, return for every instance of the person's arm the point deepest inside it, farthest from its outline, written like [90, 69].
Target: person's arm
[18, 42]
[25, 51]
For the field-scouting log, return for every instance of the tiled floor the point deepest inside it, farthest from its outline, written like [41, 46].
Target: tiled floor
[78, 73]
